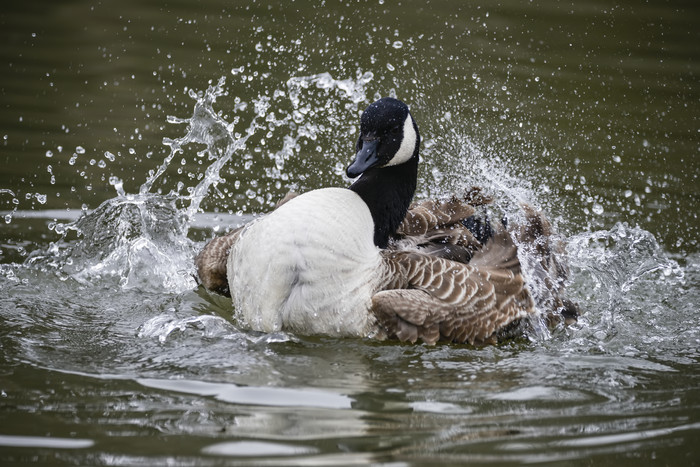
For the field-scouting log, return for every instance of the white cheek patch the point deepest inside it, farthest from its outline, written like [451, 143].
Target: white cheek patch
[408, 143]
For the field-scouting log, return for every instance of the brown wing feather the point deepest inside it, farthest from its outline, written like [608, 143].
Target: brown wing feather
[211, 262]
[435, 227]
[429, 215]
[434, 298]
[455, 243]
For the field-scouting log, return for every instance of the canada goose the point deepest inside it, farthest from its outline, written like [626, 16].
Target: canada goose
[357, 262]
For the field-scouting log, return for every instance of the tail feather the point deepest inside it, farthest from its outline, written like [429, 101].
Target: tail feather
[211, 263]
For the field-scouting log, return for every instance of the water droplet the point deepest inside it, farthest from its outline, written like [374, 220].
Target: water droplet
[117, 183]
[597, 209]
[397, 44]
[80, 150]
[49, 153]
[390, 67]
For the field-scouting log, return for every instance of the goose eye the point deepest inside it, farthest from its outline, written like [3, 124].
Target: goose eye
[396, 130]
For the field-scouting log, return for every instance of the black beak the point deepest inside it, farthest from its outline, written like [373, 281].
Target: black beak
[364, 159]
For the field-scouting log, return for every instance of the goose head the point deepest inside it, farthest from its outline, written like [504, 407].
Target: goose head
[388, 137]
[387, 159]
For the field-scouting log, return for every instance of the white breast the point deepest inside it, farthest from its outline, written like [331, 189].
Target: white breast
[310, 266]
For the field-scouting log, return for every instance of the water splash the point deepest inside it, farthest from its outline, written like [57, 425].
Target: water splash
[458, 163]
[207, 127]
[623, 278]
[141, 239]
[163, 325]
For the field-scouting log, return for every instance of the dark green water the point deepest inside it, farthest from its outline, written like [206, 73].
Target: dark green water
[109, 354]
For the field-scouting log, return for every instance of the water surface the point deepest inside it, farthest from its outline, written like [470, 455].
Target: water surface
[132, 133]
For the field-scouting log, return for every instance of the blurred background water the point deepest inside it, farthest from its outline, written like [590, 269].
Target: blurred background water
[163, 124]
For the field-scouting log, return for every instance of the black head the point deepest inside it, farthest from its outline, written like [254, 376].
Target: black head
[388, 136]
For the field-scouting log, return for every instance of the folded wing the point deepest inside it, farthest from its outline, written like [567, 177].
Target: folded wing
[431, 298]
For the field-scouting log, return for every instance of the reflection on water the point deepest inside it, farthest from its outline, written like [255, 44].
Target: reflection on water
[256, 449]
[44, 442]
[110, 355]
[253, 395]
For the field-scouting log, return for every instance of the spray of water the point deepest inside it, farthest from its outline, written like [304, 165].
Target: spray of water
[140, 239]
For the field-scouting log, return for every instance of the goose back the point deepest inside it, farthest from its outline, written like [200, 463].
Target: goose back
[310, 266]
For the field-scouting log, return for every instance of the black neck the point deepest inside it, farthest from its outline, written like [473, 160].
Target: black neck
[388, 192]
